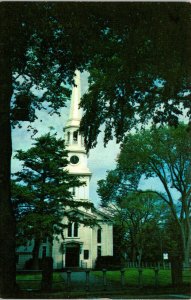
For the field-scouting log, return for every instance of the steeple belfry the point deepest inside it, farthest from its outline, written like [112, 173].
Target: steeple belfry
[74, 142]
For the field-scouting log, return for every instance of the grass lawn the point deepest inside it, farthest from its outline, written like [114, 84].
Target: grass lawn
[33, 281]
[148, 276]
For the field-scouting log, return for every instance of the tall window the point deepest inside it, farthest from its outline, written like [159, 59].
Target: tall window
[86, 254]
[69, 229]
[75, 136]
[98, 251]
[73, 229]
[68, 137]
[99, 236]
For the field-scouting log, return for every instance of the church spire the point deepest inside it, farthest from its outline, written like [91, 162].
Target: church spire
[74, 141]
[75, 111]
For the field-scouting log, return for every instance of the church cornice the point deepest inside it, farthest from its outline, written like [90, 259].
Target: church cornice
[71, 126]
[77, 150]
[81, 174]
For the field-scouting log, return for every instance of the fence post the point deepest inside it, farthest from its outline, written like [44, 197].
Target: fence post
[87, 280]
[122, 277]
[140, 283]
[68, 279]
[104, 280]
[156, 270]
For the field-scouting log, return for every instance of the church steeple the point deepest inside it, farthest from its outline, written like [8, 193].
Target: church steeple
[73, 139]
[75, 111]
[75, 142]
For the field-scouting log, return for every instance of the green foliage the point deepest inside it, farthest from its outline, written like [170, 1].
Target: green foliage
[42, 63]
[134, 71]
[121, 241]
[140, 74]
[107, 262]
[41, 190]
[164, 153]
[116, 186]
[137, 215]
[172, 240]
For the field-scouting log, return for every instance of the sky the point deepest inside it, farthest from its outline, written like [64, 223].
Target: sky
[100, 159]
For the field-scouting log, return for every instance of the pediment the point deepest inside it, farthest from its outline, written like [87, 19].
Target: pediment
[94, 214]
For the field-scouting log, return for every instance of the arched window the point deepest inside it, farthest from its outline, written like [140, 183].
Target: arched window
[69, 229]
[75, 229]
[75, 136]
[99, 235]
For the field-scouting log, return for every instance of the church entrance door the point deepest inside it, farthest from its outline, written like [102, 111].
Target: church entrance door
[72, 255]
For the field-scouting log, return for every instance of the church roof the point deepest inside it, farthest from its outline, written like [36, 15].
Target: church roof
[94, 214]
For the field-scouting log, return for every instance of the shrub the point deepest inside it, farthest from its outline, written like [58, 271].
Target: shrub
[108, 262]
[29, 264]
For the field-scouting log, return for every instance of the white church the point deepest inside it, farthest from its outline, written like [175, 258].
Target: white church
[79, 246]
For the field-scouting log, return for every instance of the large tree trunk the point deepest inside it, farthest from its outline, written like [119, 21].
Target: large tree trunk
[7, 220]
[176, 271]
[187, 255]
[139, 258]
[35, 253]
[186, 246]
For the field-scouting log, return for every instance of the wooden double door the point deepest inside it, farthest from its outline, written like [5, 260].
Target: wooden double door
[72, 257]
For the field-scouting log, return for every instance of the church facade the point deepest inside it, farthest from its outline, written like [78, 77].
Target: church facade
[80, 245]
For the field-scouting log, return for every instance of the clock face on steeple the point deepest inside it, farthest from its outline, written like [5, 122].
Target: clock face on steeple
[74, 159]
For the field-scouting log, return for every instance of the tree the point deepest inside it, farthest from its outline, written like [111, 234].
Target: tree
[137, 215]
[173, 246]
[142, 73]
[41, 46]
[41, 192]
[164, 153]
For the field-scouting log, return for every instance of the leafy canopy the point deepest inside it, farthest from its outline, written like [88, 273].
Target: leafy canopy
[137, 215]
[164, 153]
[43, 44]
[141, 73]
